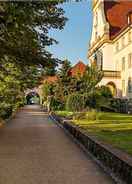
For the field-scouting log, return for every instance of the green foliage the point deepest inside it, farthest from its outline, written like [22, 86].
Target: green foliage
[47, 90]
[64, 69]
[24, 28]
[92, 76]
[105, 91]
[75, 102]
[62, 86]
[64, 113]
[99, 99]
[113, 128]
[79, 93]
[119, 105]
[55, 104]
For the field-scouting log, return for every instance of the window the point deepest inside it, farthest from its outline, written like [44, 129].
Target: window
[129, 37]
[98, 57]
[123, 63]
[96, 34]
[123, 41]
[96, 19]
[123, 86]
[117, 46]
[130, 85]
[130, 18]
[129, 60]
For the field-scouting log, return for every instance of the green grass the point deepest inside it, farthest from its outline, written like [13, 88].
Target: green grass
[64, 113]
[112, 128]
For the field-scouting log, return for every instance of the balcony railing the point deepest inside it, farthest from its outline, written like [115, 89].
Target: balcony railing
[112, 74]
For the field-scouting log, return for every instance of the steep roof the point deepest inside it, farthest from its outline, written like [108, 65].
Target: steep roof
[116, 12]
[79, 68]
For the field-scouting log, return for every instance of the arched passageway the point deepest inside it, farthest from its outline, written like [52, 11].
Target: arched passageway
[32, 98]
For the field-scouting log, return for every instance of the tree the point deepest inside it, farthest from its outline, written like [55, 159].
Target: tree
[88, 82]
[64, 69]
[62, 85]
[47, 90]
[24, 28]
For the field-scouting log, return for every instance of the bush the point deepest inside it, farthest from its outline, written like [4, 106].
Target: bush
[55, 104]
[98, 99]
[91, 115]
[104, 91]
[5, 110]
[119, 105]
[76, 102]
[79, 116]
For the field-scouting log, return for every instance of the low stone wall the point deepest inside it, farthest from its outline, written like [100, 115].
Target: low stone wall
[118, 164]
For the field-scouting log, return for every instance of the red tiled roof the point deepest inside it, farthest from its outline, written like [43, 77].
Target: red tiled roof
[116, 12]
[79, 68]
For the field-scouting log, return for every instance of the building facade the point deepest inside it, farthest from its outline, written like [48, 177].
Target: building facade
[110, 46]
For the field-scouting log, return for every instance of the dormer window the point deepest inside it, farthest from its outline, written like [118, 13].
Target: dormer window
[130, 18]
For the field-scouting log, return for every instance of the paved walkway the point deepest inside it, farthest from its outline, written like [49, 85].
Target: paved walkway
[33, 150]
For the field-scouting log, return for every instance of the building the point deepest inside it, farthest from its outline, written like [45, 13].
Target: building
[110, 46]
[77, 70]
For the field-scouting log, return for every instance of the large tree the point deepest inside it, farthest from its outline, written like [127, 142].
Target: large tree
[24, 28]
[91, 77]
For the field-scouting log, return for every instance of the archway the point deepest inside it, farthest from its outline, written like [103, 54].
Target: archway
[112, 87]
[32, 98]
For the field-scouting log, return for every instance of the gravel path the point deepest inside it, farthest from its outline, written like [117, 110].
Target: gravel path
[33, 150]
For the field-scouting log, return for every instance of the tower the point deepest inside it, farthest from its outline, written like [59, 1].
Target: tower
[100, 29]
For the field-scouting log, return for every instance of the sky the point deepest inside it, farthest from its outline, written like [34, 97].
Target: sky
[74, 38]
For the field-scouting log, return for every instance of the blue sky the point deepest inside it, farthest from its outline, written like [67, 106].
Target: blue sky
[74, 38]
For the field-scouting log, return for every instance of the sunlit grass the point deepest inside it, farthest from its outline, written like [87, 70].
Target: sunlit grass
[113, 128]
[64, 113]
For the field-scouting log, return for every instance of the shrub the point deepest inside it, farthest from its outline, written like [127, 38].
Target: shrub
[79, 116]
[91, 115]
[119, 105]
[76, 102]
[55, 104]
[5, 110]
[104, 91]
[98, 99]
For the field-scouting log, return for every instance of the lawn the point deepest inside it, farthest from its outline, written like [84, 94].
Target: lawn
[112, 128]
[64, 113]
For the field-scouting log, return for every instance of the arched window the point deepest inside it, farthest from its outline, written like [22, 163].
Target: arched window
[98, 57]
[130, 85]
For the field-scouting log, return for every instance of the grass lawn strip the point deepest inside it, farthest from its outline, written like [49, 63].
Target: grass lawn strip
[112, 128]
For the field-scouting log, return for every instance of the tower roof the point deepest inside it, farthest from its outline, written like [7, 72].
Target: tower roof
[116, 12]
